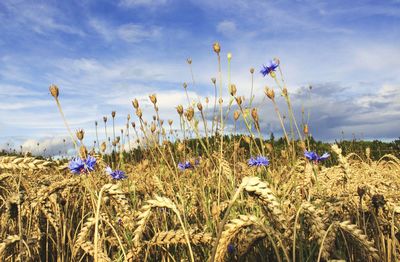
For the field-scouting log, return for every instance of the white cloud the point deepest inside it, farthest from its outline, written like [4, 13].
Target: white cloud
[130, 32]
[136, 3]
[134, 33]
[226, 28]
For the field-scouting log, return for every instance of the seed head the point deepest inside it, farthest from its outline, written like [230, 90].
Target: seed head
[179, 109]
[170, 122]
[252, 70]
[105, 119]
[135, 103]
[189, 60]
[113, 114]
[128, 117]
[54, 91]
[213, 80]
[80, 134]
[236, 115]
[199, 106]
[216, 47]
[153, 98]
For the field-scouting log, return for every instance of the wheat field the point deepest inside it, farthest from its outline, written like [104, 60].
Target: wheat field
[199, 194]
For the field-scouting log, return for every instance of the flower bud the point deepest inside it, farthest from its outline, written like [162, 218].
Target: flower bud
[284, 92]
[252, 70]
[236, 115]
[189, 60]
[213, 80]
[232, 89]
[170, 122]
[105, 119]
[133, 125]
[179, 109]
[216, 47]
[80, 134]
[189, 113]
[239, 100]
[305, 129]
[128, 117]
[152, 127]
[184, 85]
[135, 103]
[220, 100]
[117, 139]
[199, 106]
[139, 112]
[254, 114]
[95, 123]
[153, 98]
[83, 152]
[54, 91]
[229, 56]
[103, 147]
[270, 93]
[207, 100]
[113, 114]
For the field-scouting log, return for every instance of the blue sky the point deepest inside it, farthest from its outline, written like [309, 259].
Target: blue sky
[102, 54]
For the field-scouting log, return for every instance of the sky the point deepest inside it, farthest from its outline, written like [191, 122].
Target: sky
[102, 54]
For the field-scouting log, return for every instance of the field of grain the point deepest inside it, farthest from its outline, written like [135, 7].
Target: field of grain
[201, 193]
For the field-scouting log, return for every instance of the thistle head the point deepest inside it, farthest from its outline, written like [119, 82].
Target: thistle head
[54, 91]
[232, 89]
[216, 48]
[135, 103]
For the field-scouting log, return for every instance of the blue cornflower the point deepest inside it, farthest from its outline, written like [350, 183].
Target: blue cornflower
[78, 165]
[185, 165]
[273, 65]
[116, 174]
[231, 249]
[258, 161]
[311, 155]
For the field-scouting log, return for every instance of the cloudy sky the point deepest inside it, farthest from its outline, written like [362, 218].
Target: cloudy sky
[102, 54]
